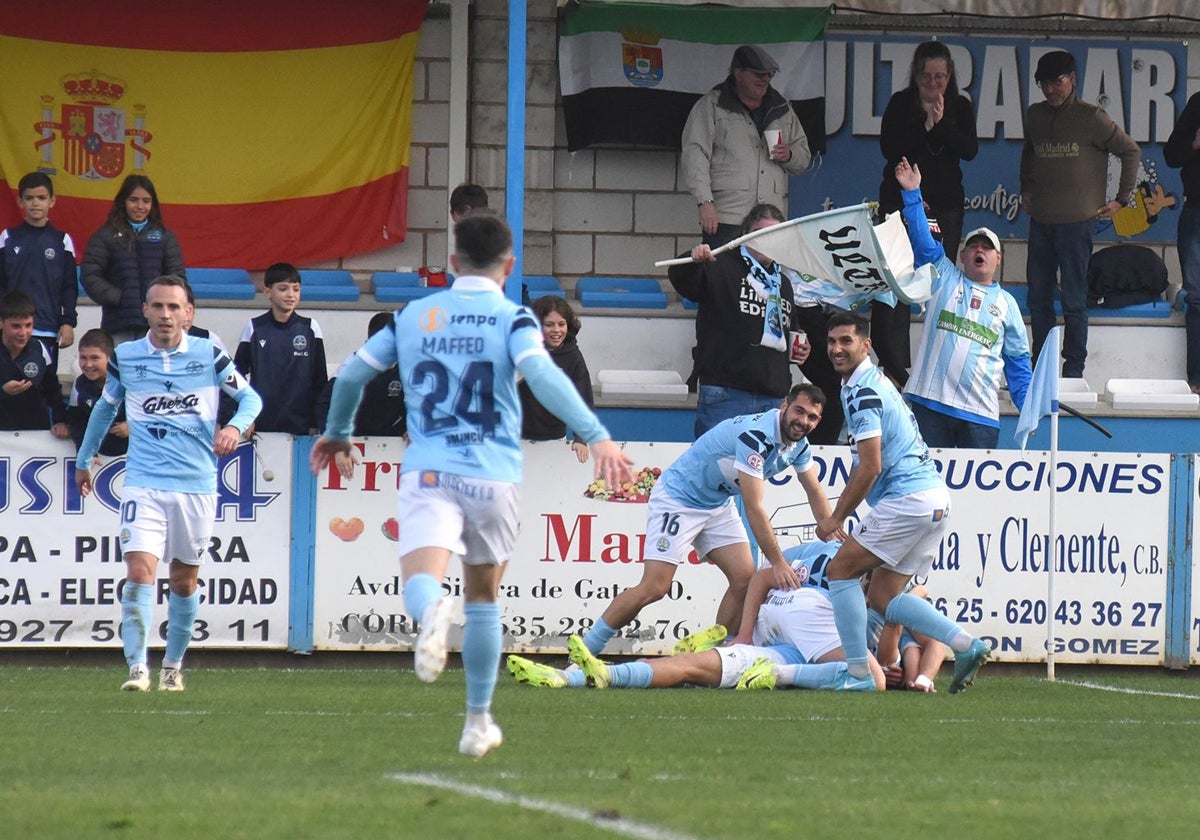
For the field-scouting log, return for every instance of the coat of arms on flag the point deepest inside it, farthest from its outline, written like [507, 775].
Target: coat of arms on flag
[92, 128]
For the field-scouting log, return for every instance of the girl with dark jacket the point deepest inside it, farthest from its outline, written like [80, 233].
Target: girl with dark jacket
[128, 251]
[560, 325]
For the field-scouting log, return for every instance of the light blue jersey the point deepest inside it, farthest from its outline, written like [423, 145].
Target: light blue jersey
[810, 561]
[973, 333]
[874, 408]
[459, 352]
[706, 476]
[170, 400]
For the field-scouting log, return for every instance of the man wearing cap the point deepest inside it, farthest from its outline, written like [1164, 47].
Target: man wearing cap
[727, 163]
[1064, 171]
[973, 333]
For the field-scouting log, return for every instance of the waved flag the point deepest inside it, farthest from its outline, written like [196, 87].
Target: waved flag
[273, 130]
[1042, 398]
[849, 259]
[631, 72]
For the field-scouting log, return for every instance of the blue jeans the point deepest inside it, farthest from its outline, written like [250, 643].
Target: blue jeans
[1189, 264]
[715, 403]
[1058, 255]
[941, 431]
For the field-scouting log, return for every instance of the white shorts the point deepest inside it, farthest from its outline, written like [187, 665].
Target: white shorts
[167, 524]
[735, 659]
[905, 533]
[472, 517]
[800, 617]
[672, 529]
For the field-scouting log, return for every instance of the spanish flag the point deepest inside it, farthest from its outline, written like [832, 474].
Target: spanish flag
[272, 129]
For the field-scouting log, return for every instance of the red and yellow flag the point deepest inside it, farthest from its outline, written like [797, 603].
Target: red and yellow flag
[273, 129]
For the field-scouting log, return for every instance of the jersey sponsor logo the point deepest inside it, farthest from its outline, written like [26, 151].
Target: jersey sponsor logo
[49, 253]
[394, 388]
[124, 536]
[474, 320]
[299, 343]
[429, 478]
[663, 544]
[141, 371]
[31, 370]
[755, 462]
[172, 405]
[432, 320]
[194, 368]
[169, 384]
[157, 432]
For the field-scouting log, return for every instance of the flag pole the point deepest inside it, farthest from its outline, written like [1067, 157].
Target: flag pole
[743, 239]
[1053, 539]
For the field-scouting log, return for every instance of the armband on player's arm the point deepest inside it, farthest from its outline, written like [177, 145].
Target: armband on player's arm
[557, 393]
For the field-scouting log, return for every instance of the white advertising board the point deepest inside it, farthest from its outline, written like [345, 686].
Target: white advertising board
[574, 553]
[61, 568]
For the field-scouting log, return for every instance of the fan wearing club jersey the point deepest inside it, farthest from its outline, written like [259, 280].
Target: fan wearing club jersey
[459, 352]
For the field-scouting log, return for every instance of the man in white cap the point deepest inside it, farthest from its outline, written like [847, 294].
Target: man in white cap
[973, 333]
[1064, 177]
[727, 163]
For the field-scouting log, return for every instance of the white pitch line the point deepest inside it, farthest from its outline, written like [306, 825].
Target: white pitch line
[1113, 688]
[616, 825]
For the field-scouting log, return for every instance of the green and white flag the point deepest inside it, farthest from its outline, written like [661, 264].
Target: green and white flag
[630, 72]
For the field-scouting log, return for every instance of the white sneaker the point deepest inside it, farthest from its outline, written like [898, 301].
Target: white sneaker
[429, 653]
[478, 741]
[139, 679]
[170, 679]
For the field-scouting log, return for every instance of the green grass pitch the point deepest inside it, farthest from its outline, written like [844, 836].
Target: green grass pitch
[370, 752]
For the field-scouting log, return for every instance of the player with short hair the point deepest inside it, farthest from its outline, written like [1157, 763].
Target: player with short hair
[459, 353]
[692, 505]
[169, 382]
[894, 473]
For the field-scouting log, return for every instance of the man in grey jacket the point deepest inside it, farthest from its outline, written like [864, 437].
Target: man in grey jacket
[1064, 170]
[727, 163]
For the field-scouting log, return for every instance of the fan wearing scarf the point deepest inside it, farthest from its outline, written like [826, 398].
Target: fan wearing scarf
[745, 312]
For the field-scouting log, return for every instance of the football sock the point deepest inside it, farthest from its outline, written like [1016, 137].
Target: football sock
[135, 621]
[481, 653]
[920, 616]
[630, 675]
[420, 591]
[815, 675]
[596, 638]
[875, 623]
[575, 678]
[850, 616]
[181, 616]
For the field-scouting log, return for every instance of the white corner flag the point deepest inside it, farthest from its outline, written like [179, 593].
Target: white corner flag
[1042, 399]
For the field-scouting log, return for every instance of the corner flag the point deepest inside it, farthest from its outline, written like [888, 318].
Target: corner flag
[1042, 399]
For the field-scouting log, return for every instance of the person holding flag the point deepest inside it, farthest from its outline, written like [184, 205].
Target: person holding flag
[973, 333]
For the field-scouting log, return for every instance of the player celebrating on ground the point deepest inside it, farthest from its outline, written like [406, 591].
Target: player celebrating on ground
[459, 352]
[170, 383]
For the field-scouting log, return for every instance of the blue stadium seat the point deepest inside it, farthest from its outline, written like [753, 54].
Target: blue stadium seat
[325, 277]
[399, 286]
[1154, 309]
[621, 292]
[221, 283]
[328, 294]
[688, 303]
[543, 284]
[392, 279]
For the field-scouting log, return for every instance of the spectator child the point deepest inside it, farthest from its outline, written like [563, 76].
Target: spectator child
[95, 349]
[130, 249]
[30, 396]
[39, 259]
[560, 326]
[466, 199]
[282, 353]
